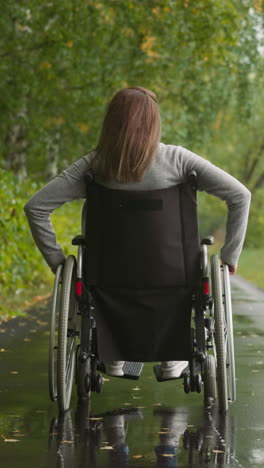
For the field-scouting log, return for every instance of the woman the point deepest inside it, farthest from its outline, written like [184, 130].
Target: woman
[129, 156]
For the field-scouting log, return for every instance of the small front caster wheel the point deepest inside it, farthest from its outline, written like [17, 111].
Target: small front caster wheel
[99, 384]
[187, 383]
[198, 383]
[87, 383]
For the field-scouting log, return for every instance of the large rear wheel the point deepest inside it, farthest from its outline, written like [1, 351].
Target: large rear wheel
[67, 335]
[53, 338]
[220, 332]
[231, 372]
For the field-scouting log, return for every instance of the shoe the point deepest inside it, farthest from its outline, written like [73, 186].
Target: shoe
[172, 369]
[114, 368]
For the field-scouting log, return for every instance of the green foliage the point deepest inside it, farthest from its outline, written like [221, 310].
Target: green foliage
[61, 62]
[19, 268]
[23, 271]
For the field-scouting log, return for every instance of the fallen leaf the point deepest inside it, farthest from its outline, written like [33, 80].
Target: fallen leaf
[95, 419]
[137, 456]
[9, 440]
[163, 432]
[127, 404]
[41, 323]
[167, 455]
[137, 397]
[66, 442]
[157, 404]
[27, 339]
[218, 451]
[14, 372]
[107, 447]
[136, 389]
[2, 350]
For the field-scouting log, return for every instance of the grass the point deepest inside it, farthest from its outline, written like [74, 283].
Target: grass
[251, 266]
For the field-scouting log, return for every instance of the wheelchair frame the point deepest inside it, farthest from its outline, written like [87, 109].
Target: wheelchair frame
[211, 366]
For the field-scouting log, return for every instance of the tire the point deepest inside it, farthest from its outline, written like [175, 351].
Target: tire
[231, 370]
[220, 345]
[67, 338]
[53, 339]
[209, 377]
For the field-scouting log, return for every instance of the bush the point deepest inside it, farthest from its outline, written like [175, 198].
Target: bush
[24, 272]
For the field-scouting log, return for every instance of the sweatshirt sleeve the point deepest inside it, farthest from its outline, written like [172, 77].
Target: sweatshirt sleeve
[219, 183]
[66, 187]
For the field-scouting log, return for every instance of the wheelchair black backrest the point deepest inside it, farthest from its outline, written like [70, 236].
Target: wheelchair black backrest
[142, 239]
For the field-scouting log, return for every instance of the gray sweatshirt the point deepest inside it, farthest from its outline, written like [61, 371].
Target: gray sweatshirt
[170, 166]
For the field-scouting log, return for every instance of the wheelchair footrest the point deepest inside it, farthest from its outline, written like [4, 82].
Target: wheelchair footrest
[132, 370]
[157, 372]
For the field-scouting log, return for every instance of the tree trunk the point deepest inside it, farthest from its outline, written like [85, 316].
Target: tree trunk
[15, 147]
[53, 156]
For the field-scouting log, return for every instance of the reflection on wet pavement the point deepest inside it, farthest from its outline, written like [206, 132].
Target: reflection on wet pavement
[102, 439]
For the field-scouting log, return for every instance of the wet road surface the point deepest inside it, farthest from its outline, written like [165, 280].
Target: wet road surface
[132, 423]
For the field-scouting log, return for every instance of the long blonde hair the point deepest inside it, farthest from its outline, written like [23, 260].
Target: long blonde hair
[129, 137]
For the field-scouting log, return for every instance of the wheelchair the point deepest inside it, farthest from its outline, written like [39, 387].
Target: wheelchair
[73, 347]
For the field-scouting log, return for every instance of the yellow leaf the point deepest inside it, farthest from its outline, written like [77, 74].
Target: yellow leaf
[107, 447]
[69, 43]
[45, 66]
[258, 5]
[9, 440]
[137, 456]
[14, 372]
[167, 455]
[12, 440]
[2, 350]
[156, 11]
[83, 127]
[218, 451]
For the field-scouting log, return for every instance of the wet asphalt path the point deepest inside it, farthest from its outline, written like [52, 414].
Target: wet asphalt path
[140, 424]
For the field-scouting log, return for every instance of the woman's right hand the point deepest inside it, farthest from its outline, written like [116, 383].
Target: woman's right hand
[232, 268]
